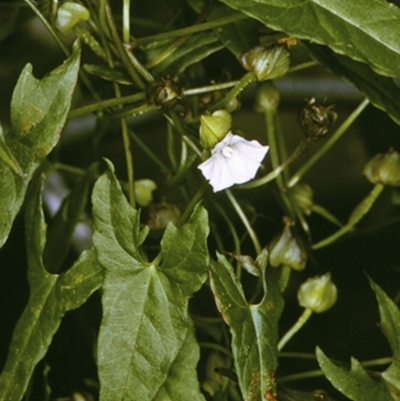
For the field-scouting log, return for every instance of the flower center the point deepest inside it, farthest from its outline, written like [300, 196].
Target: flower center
[227, 151]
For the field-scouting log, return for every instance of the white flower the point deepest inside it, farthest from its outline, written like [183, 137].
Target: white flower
[234, 160]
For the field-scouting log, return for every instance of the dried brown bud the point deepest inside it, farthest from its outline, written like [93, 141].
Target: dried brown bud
[315, 119]
[165, 92]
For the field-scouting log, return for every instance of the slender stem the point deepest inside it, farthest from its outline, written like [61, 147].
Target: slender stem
[245, 221]
[359, 212]
[117, 101]
[70, 169]
[273, 174]
[51, 30]
[298, 376]
[129, 162]
[122, 52]
[303, 66]
[235, 236]
[189, 30]
[295, 328]
[126, 31]
[209, 88]
[149, 153]
[216, 347]
[326, 214]
[193, 202]
[339, 132]
[241, 84]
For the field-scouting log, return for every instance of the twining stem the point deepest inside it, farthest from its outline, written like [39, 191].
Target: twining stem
[245, 221]
[359, 212]
[331, 141]
[129, 162]
[273, 174]
[208, 88]
[189, 30]
[241, 84]
[51, 30]
[122, 52]
[193, 202]
[126, 6]
[295, 328]
[116, 101]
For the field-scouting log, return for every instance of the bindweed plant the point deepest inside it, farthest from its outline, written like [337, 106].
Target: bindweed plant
[185, 214]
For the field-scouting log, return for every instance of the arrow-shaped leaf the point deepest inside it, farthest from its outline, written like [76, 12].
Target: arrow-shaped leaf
[358, 384]
[254, 331]
[365, 31]
[145, 322]
[39, 109]
[51, 296]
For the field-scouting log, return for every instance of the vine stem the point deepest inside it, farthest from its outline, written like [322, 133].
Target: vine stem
[295, 328]
[339, 132]
[122, 52]
[193, 202]
[240, 85]
[189, 30]
[359, 212]
[117, 101]
[274, 173]
[126, 8]
[245, 221]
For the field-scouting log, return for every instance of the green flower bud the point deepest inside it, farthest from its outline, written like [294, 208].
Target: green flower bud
[267, 97]
[267, 63]
[315, 119]
[285, 250]
[70, 14]
[303, 196]
[384, 169]
[318, 293]
[144, 191]
[214, 127]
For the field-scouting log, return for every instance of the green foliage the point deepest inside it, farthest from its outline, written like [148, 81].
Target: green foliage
[363, 33]
[178, 323]
[38, 112]
[254, 330]
[51, 296]
[358, 384]
[146, 327]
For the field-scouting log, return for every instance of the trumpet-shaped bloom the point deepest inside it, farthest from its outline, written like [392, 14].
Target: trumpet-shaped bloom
[234, 160]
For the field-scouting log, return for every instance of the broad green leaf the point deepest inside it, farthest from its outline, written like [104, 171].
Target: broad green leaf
[51, 296]
[381, 91]
[196, 48]
[7, 157]
[254, 330]
[237, 37]
[145, 322]
[358, 384]
[61, 228]
[365, 31]
[182, 383]
[38, 112]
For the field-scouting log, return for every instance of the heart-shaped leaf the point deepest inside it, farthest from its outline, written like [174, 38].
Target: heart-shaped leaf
[145, 330]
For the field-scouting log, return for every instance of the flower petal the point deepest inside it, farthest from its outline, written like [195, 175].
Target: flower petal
[234, 160]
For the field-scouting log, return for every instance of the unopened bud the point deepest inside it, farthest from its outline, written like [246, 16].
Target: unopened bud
[267, 97]
[303, 197]
[315, 119]
[318, 293]
[285, 250]
[144, 191]
[214, 127]
[70, 14]
[384, 169]
[267, 63]
[165, 91]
